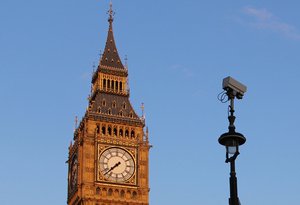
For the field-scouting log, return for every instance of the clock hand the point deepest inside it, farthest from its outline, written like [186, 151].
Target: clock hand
[112, 168]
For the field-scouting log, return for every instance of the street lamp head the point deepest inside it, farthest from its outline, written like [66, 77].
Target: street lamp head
[232, 141]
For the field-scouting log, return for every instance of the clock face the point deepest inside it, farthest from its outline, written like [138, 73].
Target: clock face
[116, 165]
[73, 173]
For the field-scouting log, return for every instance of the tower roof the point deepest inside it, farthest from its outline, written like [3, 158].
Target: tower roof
[110, 56]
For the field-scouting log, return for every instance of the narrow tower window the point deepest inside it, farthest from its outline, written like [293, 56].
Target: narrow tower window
[117, 193]
[103, 130]
[109, 131]
[98, 191]
[134, 195]
[108, 84]
[104, 83]
[109, 193]
[112, 84]
[122, 193]
[98, 129]
[132, 134]
[121, 87]
[121, 132]
[115, 131]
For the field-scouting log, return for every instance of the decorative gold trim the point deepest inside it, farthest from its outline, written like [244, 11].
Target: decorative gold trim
[132, 151]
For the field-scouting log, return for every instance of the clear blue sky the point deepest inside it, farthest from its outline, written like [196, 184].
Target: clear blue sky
[179, 52]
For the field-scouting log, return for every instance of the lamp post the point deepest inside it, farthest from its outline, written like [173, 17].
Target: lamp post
[232, 139]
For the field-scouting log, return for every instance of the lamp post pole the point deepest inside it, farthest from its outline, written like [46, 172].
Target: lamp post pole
[232, 139]
[234, 199]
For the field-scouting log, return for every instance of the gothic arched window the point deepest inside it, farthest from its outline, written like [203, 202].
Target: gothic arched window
[108, 84]
[109, 130]
[103, 103]
[122, 194]
[98, 190]
[121, 87]
[132, 134]
[115, 131]
[103, 130]
[113, 84]
[121, 132]
[110, 192]
[104, 83]
[114, 104]
[98, 129]
[134, 195]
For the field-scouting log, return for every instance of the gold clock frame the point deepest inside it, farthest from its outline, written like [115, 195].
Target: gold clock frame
[132, 151]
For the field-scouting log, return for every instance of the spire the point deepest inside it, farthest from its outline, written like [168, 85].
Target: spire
[110, 56]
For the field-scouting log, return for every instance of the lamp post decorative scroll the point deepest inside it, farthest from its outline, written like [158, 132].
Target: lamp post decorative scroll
[232, 139]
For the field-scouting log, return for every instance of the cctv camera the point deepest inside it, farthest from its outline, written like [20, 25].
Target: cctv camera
[232, 85]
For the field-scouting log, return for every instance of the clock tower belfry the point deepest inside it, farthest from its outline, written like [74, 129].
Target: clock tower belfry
[109, 157]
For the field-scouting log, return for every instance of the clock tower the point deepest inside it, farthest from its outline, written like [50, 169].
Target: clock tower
[109, 157]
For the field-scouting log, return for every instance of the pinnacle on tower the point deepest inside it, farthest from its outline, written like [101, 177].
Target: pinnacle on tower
[110, 57]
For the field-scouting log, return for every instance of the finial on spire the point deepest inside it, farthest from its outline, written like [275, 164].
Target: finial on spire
[147, 135]
[126, 62]
[143, 111]
[94, 66]
[76, 122]
[70, 147]
[110, 12]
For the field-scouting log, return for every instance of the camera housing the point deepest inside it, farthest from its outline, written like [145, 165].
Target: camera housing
[235, 87]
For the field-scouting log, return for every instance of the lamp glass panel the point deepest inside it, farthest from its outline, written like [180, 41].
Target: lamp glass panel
[231, 149]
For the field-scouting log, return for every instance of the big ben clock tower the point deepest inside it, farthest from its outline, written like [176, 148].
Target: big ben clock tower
[108, 160]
